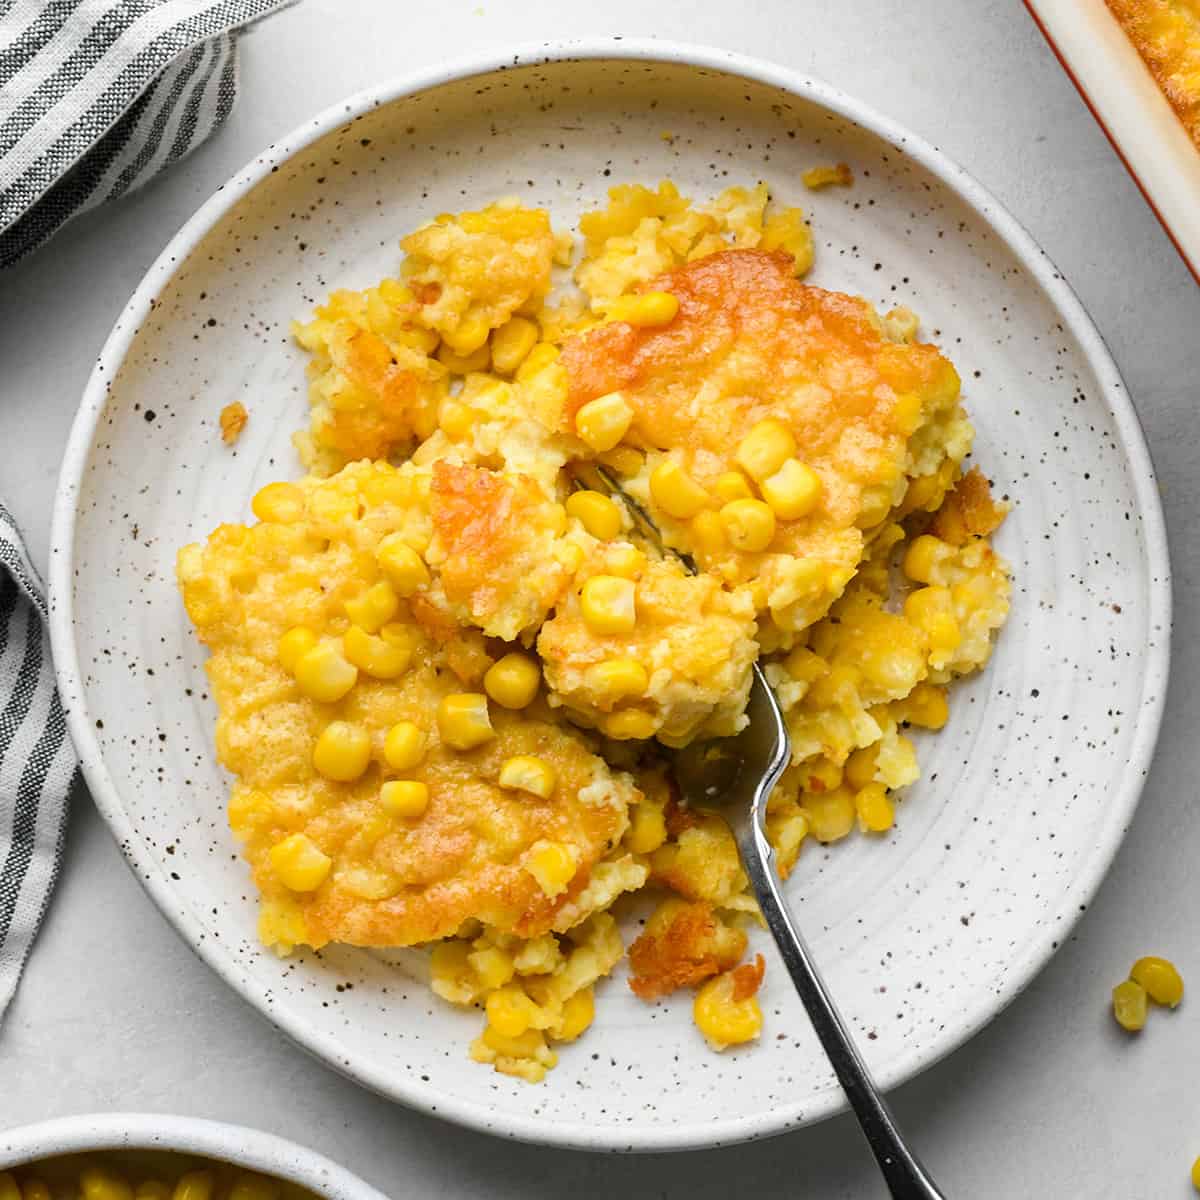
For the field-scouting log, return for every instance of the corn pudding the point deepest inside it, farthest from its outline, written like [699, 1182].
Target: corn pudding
[449, 673]
[142, 1175]
[1166, 33]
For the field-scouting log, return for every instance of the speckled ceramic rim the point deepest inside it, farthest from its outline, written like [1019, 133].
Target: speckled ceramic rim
[237, 1144]
[561, 1130]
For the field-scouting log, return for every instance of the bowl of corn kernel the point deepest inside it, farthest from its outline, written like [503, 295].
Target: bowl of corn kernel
[383, 698]
[134, 1156]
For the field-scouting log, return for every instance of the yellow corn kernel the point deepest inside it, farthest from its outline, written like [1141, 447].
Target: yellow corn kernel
[1129, 1005]
[608, 604]
[578, 1012]
[624, 559]
[647, 828]
[765, 449]
[749, 524]
[528, 773]
[630, 724]
[675, 491]
[296, 642]
[323, 673]
[924, 556]
[787, 230]
[464, 364]
[402, 565]
[527, 1045]
[455, 419]
[404, 746]
[859, 770]
[195, 1185]
[342, 751]
[464, 721]
[300, 865]
[830, 814]
[708, 533]
[722, 1020]
[925, 706]
[511, 344]
[1196, 1174]
[598, 514]
[404, 797]
[97, 1183]
[625, 460]
[538, 359]
[451, 975]
[617, 678]
[932, 609]
[513, 680]
[1160, 978]
[281, 503]
[821, 776]
[373, 607]
[553, 865]
[806, 666]
[793, 491]
[603, 422]
[732, 485]
[471, 333]
[379, 657]
[492, 966]
[251, 1186]
[648, 310]
[510, 1012]
[874, 806]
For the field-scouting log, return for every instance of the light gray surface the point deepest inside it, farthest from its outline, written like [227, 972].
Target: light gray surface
[1051, 1099]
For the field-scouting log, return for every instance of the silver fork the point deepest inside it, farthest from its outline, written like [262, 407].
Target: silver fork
[739, 773]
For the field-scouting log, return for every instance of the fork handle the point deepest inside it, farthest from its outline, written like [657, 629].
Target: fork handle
[906, 1178]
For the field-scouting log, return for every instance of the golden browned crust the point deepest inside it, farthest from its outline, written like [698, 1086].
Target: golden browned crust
[494, 548]
[750, 342]
[690, 945]
[374, 430]
[1166, 34]
[747, 979]
[968, 511]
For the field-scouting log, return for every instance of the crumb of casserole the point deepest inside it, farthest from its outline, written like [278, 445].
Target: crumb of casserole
[233, 420]
[445, 665]
[816, 178]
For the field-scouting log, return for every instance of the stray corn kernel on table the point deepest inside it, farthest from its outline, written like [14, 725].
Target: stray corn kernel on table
[1024, 1105]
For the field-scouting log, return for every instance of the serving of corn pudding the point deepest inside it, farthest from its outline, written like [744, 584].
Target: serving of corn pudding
[449, 674]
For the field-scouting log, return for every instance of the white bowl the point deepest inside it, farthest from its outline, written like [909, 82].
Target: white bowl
[925, 934]
[236, 1144]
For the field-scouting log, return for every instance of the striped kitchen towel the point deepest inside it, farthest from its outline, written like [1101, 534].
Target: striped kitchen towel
[96, 96]
[37, 759]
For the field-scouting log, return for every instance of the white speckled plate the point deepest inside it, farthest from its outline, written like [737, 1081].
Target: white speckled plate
[925, 934]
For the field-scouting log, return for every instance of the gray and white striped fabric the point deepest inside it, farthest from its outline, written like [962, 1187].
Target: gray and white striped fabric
[37, 759]
[96, 97]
